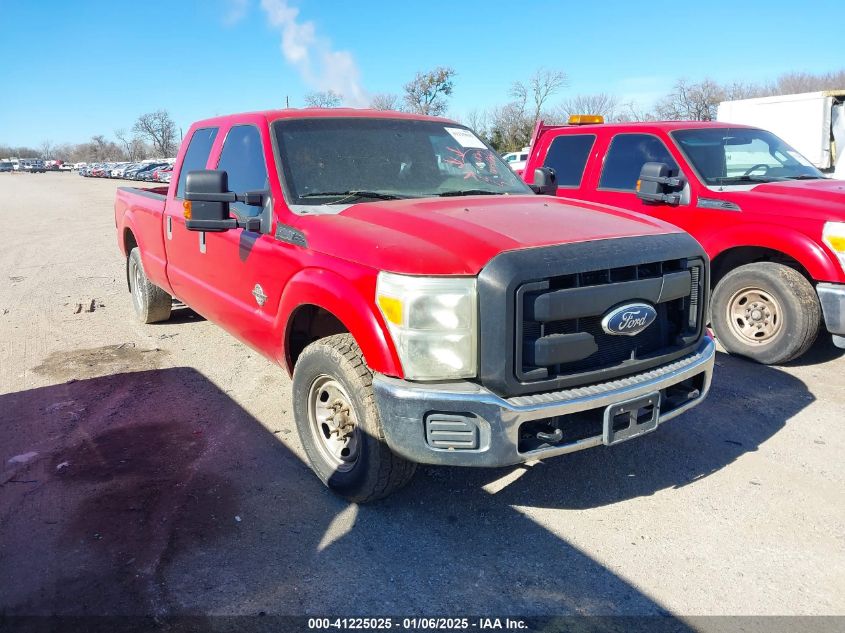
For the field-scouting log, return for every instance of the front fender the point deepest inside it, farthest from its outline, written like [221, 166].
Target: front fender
[353, 303]
[809, 253]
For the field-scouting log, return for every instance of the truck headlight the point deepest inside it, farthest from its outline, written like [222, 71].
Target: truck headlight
[833, 235]
[433, 322]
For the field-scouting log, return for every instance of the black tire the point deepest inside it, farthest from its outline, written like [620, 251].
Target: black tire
[784, 313]
[377, 471]
[151, 303]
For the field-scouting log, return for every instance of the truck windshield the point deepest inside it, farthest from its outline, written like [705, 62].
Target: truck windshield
[344, 160]
[726, 156]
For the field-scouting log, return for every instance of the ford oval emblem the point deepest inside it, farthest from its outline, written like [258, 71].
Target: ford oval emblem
[629, 320]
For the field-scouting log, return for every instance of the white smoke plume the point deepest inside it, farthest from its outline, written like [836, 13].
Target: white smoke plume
[320, 65]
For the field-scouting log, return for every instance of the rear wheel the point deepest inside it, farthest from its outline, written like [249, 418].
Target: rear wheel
[766, 311]
[151, 303]
[339, 425]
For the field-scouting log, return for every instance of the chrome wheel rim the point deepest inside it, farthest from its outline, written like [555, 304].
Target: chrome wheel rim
[137, 286]
[755, 316]
[333, 423]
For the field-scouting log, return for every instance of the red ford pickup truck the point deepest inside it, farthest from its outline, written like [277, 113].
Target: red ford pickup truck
[430, 306]
[772, 224]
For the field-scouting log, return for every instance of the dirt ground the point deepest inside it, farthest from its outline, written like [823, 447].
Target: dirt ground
[156, 470]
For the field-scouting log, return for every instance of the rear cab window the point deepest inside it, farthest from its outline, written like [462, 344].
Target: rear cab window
[627, 155]
[196, 156]
[568, 156]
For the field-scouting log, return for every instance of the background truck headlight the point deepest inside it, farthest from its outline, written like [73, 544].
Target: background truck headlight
[433, 322]
[833, 235]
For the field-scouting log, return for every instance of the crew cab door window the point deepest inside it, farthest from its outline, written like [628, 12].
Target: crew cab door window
[243, 159]
[626, 157]
[196, 155]
[568, 155]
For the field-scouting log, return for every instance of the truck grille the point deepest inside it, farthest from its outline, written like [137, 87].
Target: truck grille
[541, 311]
[577, 339]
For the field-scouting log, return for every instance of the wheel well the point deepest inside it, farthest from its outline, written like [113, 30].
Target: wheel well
[732, 258]
[129, 242]
[308, 324]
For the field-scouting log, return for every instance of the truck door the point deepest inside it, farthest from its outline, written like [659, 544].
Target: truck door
[183, 247]
[620, 170]
[246, 270]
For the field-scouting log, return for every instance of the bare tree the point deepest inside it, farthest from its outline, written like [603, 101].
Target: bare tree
[323, 99]
[541, 85]
[797, 82]
[510, 127]
[159, 129]
[691, 101]
[427, 93]
[479, 121]
[125, 140]
[385, 101]
[46, 149]
[603, 104]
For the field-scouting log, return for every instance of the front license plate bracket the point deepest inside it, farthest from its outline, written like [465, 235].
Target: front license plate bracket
[629, 419]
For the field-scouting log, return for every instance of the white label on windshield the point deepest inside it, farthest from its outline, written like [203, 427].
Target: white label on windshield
[465, 137]
[799, 158]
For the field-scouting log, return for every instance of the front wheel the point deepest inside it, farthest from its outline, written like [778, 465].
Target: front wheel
[339, 425]
[765, 311]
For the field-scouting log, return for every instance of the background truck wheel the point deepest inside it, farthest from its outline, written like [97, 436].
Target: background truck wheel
[151, 303]
[765, 311]
[339, 425]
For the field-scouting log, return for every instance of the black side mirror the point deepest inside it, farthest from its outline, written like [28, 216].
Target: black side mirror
[545, 181]
[208, 193]
[656, 185]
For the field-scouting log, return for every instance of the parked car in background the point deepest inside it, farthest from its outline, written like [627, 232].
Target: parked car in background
[33, 166]
[6, 166]
[772, 224]
[66, 167]
[147, 174]
[158, 172]
[115, 168]
[80, 165]
[516, 160]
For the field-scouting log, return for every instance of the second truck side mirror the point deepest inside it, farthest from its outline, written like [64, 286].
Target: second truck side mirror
[545, 181]
[207, 199]
[656, 184]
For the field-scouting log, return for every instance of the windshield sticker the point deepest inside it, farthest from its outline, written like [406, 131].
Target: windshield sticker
[465, 137]
[799, 158]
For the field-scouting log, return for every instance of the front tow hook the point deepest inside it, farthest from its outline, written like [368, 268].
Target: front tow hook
[550, 438]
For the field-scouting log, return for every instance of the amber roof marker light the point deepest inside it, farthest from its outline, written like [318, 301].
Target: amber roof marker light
[585, 119]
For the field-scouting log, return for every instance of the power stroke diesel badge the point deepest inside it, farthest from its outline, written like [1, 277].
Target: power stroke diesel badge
[629, 320]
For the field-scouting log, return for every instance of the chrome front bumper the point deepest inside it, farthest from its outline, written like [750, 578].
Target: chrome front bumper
[491, 424]
[832, 300]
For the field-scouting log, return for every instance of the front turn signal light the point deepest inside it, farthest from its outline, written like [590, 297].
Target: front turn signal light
[186, 209]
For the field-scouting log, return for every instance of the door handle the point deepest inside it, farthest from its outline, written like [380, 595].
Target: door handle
[169, 227]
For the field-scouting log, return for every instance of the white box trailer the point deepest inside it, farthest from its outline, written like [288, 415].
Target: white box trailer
[812, 122]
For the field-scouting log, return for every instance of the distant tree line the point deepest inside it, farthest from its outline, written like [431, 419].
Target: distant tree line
[509, 126]
[153, 135]
[506, 127]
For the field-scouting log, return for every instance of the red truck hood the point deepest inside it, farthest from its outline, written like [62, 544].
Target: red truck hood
[817, 199]
[458, 236]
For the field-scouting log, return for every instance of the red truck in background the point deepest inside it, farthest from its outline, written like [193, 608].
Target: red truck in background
[430, 307]
[772, 224]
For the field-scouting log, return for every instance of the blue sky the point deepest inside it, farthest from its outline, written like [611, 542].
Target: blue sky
[74, 69]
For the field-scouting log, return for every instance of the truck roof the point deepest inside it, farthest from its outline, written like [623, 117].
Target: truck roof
[665, 126]
[314, 113]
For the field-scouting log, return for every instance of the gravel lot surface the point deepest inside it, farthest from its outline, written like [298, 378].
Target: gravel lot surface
[156, 470]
